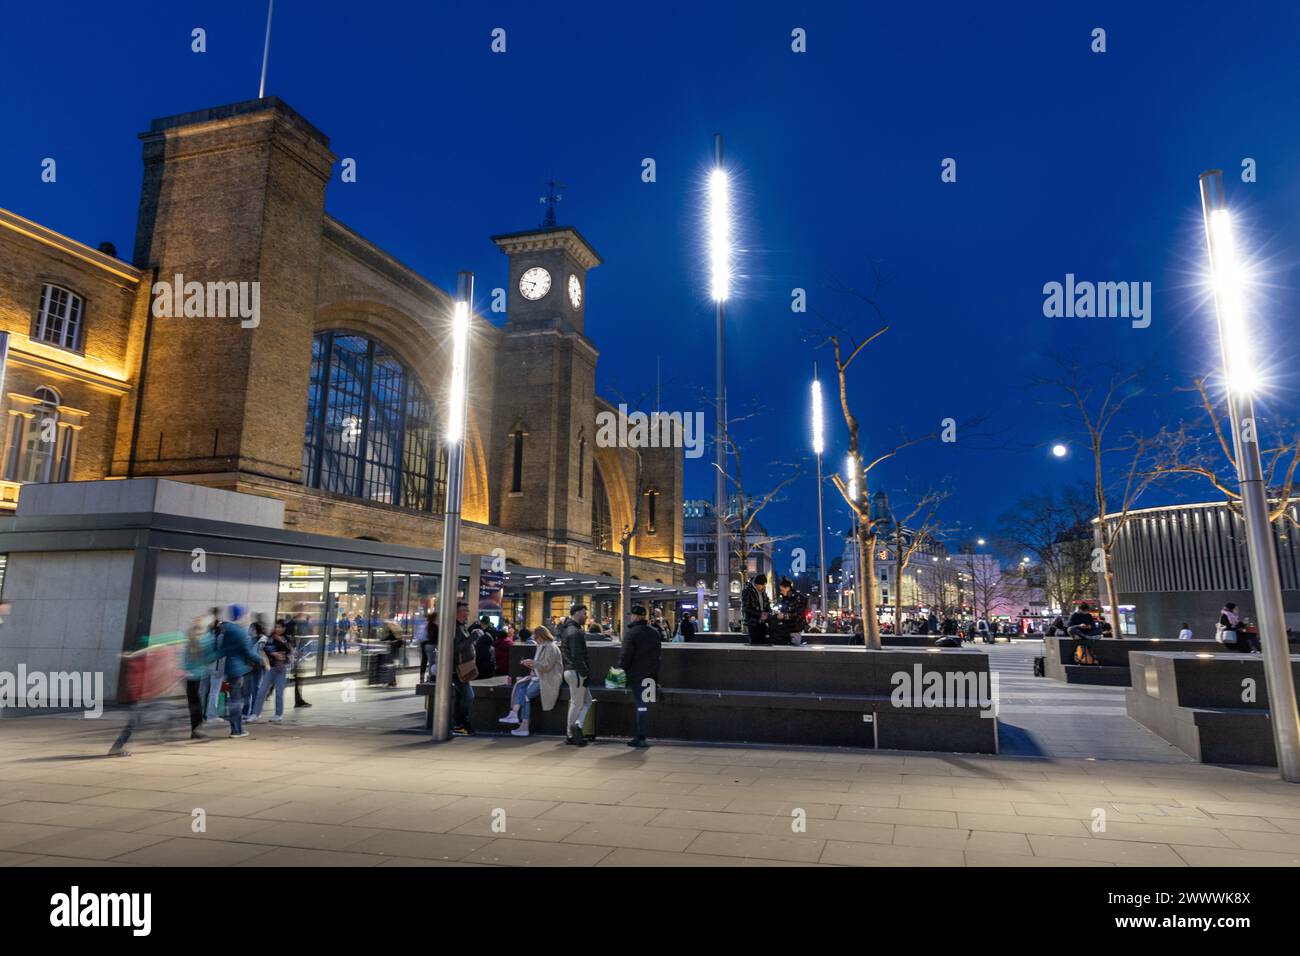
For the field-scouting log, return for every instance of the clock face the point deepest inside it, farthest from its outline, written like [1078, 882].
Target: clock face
[575, 292]
[535, 283]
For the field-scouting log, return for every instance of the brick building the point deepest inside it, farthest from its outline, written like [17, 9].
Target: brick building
[329, 400]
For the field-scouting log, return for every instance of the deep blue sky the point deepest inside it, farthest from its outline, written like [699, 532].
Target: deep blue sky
[1068, 161]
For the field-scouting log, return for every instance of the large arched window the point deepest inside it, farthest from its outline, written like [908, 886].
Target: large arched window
[601, 534]
[372, 431]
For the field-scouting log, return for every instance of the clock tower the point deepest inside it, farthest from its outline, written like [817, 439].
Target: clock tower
[545, 420]
[547, 288]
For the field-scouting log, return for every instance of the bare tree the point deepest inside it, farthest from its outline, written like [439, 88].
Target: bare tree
[1055, 527]
[846, 344]
[1096, 409]
[918, 529]
[1203, 448]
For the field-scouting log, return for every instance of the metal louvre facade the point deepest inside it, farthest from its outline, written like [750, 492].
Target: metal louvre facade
[1180, 563]
[1195, 548]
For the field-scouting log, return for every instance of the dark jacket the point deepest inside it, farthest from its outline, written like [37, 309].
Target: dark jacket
[753, 602]
[795, 607]
[462, 651]
[573, 645]
[688, 629]
[642, 645]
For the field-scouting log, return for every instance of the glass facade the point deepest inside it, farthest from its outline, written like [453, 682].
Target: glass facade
[372, 431]
[341, 611]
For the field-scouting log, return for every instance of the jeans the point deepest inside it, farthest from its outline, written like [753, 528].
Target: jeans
[210, 689]
[235, 704]
[275, 677]
[464, 699]
[524, 693]
[252, 680]
[579, 699]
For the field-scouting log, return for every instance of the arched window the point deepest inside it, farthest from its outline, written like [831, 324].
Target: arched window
[601, 535]
[41, 438]
[372, 431]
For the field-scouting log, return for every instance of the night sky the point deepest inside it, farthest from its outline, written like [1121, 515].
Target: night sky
[1068, 161]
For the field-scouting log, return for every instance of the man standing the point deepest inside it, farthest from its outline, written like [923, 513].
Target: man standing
[241, 657]
[642, 645]
[577, 671]
[462, 653]
[756, 607]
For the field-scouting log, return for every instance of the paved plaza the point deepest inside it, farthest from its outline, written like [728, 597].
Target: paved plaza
[359, 784]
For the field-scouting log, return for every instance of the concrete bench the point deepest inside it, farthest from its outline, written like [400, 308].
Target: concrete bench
[1112, 656]
[1195, 701]
[787, 695]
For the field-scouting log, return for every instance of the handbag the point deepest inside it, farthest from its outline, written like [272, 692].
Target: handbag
[1226, 636]
[467, 671]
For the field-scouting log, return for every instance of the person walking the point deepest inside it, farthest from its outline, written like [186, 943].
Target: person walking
[642, 648]
[240, 657]
[546, 672]
[577, 672]
[756, 609]
[297, 631]
[199, 654]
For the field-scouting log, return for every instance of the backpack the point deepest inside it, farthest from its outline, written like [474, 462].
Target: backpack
[1083, 655]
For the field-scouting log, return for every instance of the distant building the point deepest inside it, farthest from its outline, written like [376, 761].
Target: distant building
[699, 538]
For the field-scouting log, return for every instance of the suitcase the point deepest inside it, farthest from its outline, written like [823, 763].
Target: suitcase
[589, 723]
[1039, 667]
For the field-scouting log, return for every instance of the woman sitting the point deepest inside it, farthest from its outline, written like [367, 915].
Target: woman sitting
[546, 674]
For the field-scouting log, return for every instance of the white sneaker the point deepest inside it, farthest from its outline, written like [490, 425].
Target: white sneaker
[510, 718]
[252, 719]
[276, 720]
[518, 732]
[243, 734]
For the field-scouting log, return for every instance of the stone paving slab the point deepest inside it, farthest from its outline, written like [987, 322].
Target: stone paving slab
[373, 791]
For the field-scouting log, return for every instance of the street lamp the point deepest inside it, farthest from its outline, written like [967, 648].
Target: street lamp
[720, 283]
[818, 447]
[455, 438]
[1226, 270]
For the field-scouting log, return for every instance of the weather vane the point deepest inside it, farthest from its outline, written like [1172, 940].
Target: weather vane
[550, 199]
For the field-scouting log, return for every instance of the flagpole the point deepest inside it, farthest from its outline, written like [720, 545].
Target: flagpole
[266, 49]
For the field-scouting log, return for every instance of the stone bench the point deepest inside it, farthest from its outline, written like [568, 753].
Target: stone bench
[1195, 701]
[786, 695]
[1112, 655]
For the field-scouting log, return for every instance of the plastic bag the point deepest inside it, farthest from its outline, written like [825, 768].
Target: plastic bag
[616, 678]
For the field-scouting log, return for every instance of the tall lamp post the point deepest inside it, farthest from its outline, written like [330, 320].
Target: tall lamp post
[818, 448]
[1234, 339]
[456, 402]
[720, 263]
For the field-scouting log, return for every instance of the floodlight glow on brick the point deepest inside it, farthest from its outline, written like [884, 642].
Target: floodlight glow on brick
[720, 234]
[459, 350]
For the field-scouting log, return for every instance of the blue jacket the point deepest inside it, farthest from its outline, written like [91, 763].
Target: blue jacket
[237, 648]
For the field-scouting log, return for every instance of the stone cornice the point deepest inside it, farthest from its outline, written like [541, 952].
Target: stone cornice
[72, 247]
[540, 240]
